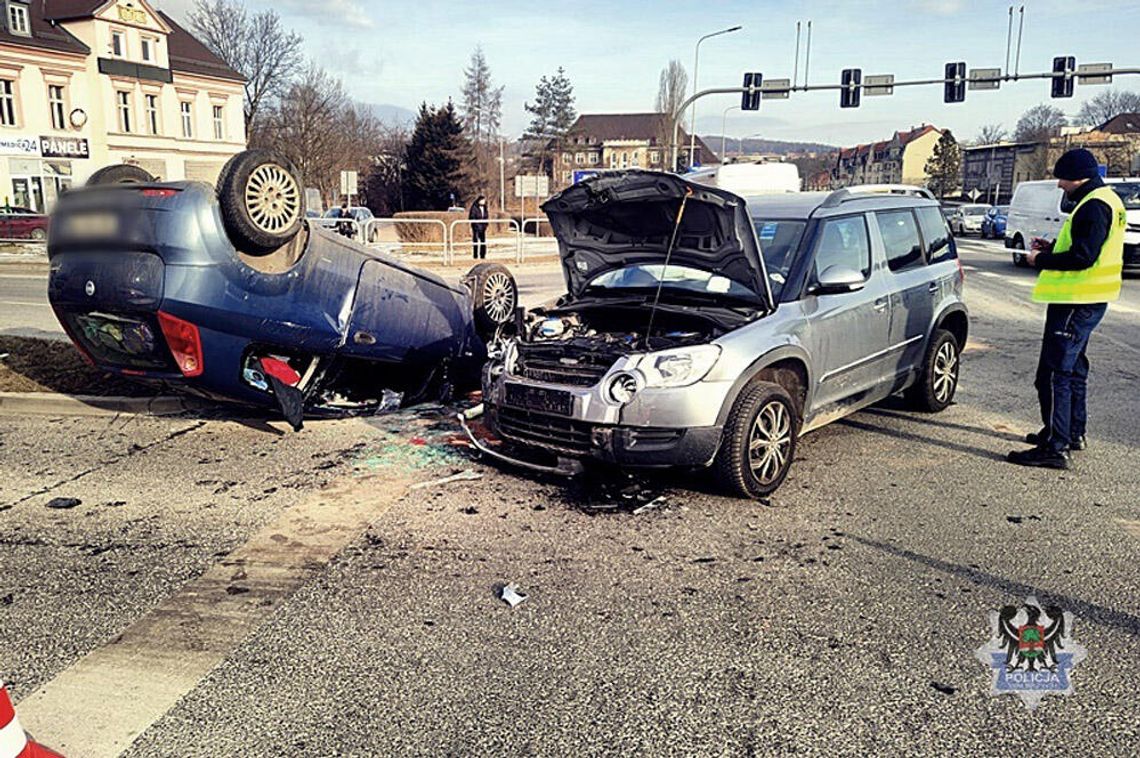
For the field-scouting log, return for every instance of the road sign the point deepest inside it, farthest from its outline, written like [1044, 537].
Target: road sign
[532, 185]
[954, 91]
[974, 194]
[583, 175]
[851, 78]
[750, 98]
[1093, 73]
[979, 74]
[1063, 85]
[879, 84]
[775, 89]
[348, 183]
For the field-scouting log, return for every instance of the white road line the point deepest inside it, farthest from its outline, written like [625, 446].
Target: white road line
[21, 302]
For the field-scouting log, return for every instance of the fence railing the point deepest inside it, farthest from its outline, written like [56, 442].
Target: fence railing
[513, 242]
[372, 236]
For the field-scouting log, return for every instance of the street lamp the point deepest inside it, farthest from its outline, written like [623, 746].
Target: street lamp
[723, 123]
[693, 113]
[740, 152]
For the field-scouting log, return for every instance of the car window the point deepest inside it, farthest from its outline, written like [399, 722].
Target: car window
[935, 234]
[900, 239]
[1129, 193]
[844, 242]
[779, 241]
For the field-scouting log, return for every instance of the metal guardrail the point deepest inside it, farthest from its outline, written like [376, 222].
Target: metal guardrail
[24, 228]
[536, 222]
[492, 242]
[444, 245]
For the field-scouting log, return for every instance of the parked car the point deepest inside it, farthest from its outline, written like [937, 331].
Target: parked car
[18, 223]
[361, 216]
[229, 293]
[1038, 209]
[679, 344]
[967, 219]
[993, 223]
[1129, 191]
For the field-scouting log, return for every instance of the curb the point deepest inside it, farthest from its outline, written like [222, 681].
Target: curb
[56, 404]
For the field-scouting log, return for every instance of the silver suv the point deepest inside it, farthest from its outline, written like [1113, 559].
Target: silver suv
[704, 329]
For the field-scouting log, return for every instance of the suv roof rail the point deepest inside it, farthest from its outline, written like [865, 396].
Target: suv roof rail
[861, 191]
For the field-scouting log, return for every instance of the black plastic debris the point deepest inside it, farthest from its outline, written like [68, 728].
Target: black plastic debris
[945, 689]
[605, 490]
[62, 503]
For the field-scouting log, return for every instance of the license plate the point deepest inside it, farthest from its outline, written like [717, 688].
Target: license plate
[540, 399]
[99, 225]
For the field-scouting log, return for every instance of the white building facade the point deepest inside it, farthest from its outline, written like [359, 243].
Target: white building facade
[84, 85]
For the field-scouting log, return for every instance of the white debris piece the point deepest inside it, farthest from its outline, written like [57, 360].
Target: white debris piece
[512, 595]
[462, 476]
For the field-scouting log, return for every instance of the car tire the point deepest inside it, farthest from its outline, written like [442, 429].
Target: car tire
[120, 173]
[39, 235]
[494, 295]
[1018, 255]
[937, 382]
[261, 201]
[762, 411]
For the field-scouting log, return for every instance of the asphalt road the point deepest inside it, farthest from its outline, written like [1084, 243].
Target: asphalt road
[157, 616]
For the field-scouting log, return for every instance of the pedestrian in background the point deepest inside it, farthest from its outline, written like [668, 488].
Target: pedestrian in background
[479, 216]
[1080, 275]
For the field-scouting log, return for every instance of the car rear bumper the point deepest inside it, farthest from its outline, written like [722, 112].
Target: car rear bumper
[632, 446]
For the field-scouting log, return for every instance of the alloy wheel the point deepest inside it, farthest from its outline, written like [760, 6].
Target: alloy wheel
[498, 297]
[945, 372]
[770, 442]
[272, 198]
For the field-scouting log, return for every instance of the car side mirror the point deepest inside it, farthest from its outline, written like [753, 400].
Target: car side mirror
[835, 280]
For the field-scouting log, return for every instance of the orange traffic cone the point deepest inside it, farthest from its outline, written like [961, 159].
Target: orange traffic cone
[14, 743]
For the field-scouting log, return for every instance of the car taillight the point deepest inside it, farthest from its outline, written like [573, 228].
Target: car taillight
[153, 192]
[185, 343]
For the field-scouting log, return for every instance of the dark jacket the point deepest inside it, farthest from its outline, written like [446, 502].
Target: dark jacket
[1089, 230]
[478, 212]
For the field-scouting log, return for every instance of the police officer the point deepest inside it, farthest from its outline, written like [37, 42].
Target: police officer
[1080, 275]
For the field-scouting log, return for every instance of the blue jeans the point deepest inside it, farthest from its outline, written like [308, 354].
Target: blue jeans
[1063, 371]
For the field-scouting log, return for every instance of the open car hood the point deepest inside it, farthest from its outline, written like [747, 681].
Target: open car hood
[626, 218]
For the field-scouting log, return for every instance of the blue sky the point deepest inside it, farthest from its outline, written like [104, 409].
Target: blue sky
[402, 53]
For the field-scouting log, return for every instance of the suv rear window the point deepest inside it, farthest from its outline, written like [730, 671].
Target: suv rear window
[936, 235]
[900, 239]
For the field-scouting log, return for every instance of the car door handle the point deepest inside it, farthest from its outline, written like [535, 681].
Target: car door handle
[880, 304]
[932, 287]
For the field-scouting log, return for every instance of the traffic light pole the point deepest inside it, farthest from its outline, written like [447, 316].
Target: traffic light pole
[908, 83]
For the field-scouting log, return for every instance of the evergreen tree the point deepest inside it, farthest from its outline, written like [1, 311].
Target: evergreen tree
[944, 167]
[542, 111]
[437, 158]
[553, 114]
[563, 115]
[482, 102]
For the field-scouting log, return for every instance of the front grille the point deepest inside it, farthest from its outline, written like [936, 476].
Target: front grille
[564, 434]
[553, 370]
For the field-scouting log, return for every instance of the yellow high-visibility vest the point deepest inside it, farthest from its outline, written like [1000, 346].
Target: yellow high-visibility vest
[1100, 283]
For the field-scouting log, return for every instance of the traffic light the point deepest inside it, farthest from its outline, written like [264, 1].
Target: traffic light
[750, 99]
[954, 91]
[851, 80]
[1063, 85]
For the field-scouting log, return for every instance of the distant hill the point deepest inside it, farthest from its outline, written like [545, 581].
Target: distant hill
[760, 145]
[392, 115]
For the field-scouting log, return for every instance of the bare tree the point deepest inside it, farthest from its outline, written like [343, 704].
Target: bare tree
[1106, 105]
[671, 88]
[1039, 123]
[256, 45]
[989, 134]
[482, 107]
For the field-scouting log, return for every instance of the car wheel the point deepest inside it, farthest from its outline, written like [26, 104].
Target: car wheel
[39, 235]
[759, 441]
[1019, 257]
[261, 202]
[934, 389]
[121, 173]
[494, 295]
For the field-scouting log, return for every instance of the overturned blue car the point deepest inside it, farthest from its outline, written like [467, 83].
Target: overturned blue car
[228, 293]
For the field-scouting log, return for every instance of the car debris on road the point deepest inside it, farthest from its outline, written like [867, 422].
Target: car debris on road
[512, 595]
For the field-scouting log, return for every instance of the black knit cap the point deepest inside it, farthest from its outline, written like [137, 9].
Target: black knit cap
[1075, 165]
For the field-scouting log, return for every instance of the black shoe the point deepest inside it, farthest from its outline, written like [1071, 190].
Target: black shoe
[1039, 457]
[1080, 442]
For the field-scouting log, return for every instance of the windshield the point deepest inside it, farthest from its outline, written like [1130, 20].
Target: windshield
[673, 277]
[779, 240]
[1129, 192]
[975, 210]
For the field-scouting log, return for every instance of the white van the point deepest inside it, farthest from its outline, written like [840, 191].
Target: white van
[1038, 209]
[750, 178]
[1129, 191]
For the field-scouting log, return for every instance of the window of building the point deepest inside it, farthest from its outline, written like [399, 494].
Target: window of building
[123, 100]
[654, 157]
[187, 119]
[118, 43]
[593, 159]
[148, 44]
[7, 102]
[900, 239]
[579, 158]
[566, 159]
[18, 19]
[219, 123]
[151, 102]
[57, 106]
[635, 161]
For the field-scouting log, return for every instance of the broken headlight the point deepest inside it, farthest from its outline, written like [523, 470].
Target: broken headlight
[680, 367]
